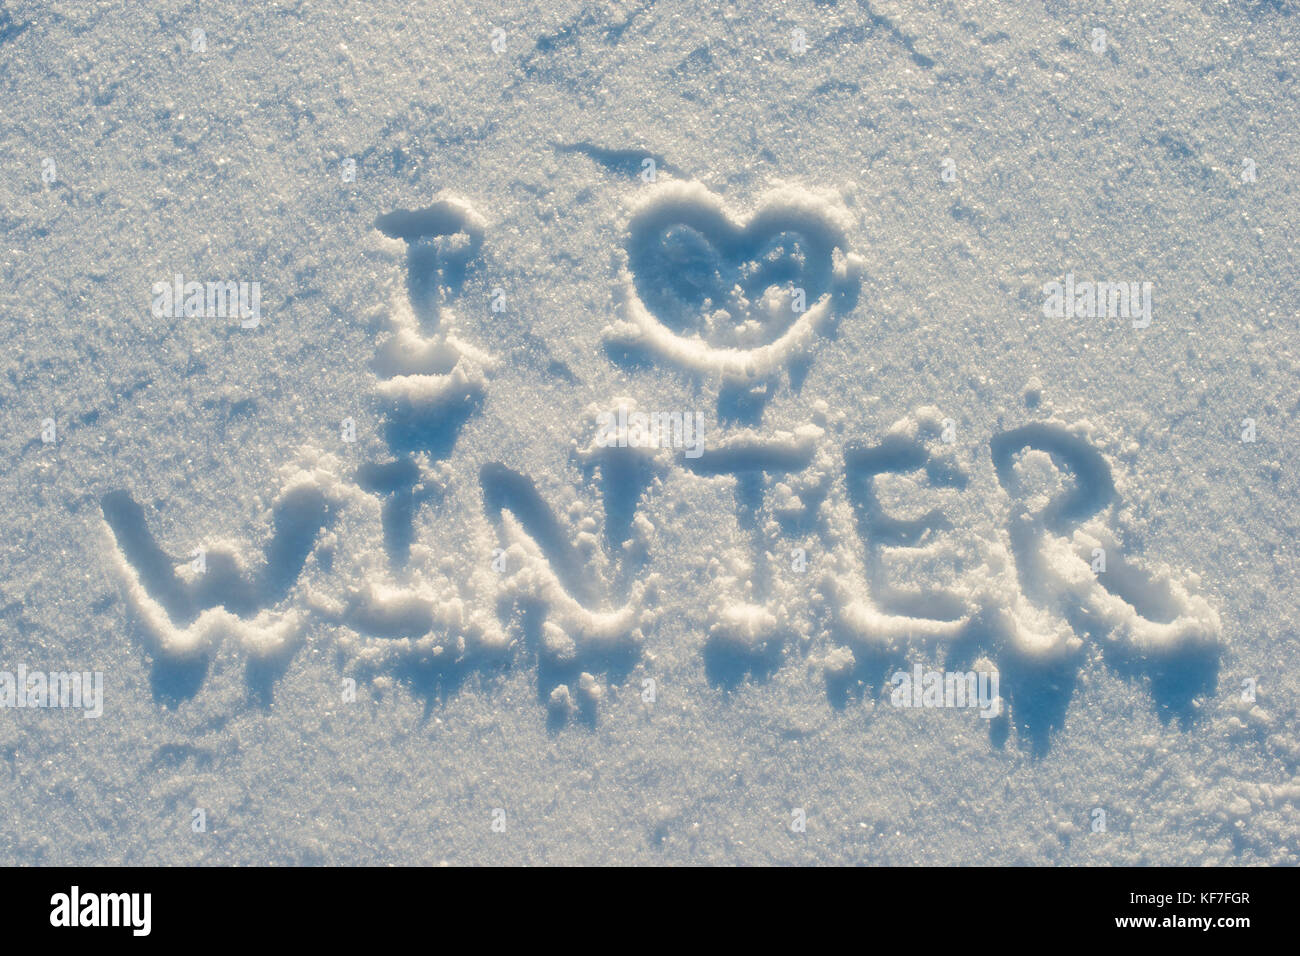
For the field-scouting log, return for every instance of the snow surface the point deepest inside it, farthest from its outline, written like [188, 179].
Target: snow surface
[638, 655]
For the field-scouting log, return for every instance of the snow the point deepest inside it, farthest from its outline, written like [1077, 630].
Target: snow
[366, 571]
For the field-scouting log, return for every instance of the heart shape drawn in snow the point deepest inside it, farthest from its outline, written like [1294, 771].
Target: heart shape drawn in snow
[712, 294]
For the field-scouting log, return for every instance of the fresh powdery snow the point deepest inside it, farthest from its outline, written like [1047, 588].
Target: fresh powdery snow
[843, 431]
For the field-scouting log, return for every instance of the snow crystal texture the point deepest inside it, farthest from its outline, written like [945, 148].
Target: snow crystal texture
[561, 432]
